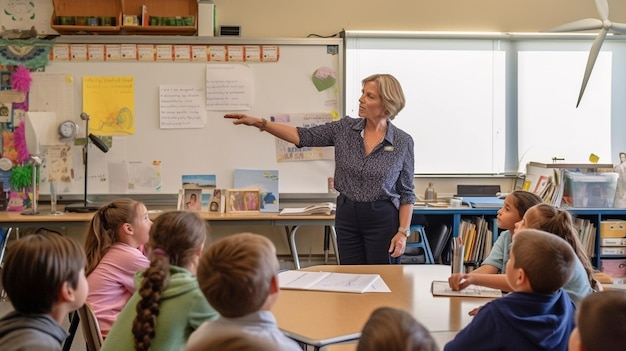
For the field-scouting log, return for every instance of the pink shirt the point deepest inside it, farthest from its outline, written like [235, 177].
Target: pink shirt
[111, 283]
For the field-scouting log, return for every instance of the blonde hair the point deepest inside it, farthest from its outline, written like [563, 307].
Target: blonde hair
[548, 260]
[104, 227]
[235, 273]
[390, 92]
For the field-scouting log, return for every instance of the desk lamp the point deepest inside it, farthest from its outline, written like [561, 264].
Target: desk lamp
[38, 126]
[84, 207]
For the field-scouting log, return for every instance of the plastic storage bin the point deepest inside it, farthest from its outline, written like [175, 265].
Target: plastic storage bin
[590, 190]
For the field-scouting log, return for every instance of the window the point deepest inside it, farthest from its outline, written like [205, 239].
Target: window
[490, 104]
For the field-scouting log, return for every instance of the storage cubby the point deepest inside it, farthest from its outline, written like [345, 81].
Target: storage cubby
[173, 17]
[95, 17]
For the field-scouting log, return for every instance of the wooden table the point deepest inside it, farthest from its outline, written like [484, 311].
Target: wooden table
[10, 220]
[321, 318]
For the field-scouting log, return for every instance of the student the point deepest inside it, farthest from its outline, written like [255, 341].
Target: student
[238, 275]
[234, 340]
[392, 329]
[44, 278]
[538, 314]
[114, 246]
[558, 222]
[374, 161]
[168, 304]
[515, 206]
[601, 322]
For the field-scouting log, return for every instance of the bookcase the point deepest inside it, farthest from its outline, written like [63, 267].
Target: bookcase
[454, 217]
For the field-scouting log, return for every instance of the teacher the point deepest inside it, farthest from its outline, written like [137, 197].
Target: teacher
[373, 172]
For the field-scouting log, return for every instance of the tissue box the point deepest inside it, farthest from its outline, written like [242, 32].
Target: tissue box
[590, 190]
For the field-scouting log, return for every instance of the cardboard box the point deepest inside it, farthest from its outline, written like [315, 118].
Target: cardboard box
[613, 229]
[590, 190]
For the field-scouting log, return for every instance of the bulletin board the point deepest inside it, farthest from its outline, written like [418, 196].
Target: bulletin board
[281, 87]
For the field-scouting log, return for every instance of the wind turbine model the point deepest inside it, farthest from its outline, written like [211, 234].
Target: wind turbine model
[605, 26]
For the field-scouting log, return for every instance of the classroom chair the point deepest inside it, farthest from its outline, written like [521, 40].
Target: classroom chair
[422, 243]
[90, 328]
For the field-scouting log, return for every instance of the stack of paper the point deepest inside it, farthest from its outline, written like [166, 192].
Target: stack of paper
[327, 281]
[442, 288]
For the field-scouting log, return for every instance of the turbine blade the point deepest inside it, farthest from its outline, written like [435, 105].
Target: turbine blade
[603, 9]
[580, 25]
[593, 55]
[618, 27]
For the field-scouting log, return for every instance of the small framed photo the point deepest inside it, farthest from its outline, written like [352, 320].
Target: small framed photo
[217, 201]
[243, 200]
[192, 199]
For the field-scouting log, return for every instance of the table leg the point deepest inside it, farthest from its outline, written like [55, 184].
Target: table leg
[292, 246]
[333, 236]
[326, 243]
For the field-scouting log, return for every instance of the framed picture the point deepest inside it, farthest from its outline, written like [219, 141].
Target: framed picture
[217, 203]
[243, 200]
[192, 199]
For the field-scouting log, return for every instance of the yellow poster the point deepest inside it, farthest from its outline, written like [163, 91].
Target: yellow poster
[110, 103]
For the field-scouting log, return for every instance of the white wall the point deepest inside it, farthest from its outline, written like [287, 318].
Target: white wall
[297, 18]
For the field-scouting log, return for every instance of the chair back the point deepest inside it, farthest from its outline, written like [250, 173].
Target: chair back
[90, 328]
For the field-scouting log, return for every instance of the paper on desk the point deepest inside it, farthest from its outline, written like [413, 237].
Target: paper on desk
[328, 281]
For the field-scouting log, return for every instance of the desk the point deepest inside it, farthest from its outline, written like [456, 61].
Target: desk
[291, 223]
[322, 318]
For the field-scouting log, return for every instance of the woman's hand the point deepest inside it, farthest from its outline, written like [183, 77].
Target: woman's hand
[398, 244]
[459, 281]
[240, 118]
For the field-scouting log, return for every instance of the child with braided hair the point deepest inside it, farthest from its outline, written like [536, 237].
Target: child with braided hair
[167, 304]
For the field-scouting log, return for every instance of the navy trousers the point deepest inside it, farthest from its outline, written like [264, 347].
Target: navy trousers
[364, 231]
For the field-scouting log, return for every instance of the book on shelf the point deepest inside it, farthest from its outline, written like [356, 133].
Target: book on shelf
[329, 281]
[483, 201]
[442, 288]
[323, 208]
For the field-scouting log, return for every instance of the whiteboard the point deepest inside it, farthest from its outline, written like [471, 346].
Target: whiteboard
[220, 147]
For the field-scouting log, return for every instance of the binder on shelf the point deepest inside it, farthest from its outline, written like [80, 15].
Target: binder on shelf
[483, 201]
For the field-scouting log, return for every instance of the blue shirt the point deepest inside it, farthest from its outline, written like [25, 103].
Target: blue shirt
[386, 173]
[519, 321]
[577, 287]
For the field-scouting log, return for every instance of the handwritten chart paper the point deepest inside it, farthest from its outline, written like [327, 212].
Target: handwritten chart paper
[110, 103]
[181, 106]
[53, 92]
[228, 87]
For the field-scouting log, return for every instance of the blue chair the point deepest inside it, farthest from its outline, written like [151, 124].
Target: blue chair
[423, 242]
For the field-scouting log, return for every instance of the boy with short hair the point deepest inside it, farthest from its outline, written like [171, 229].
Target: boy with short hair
[601, 322]
[44, 277]
[538, 314]
[239, 278]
